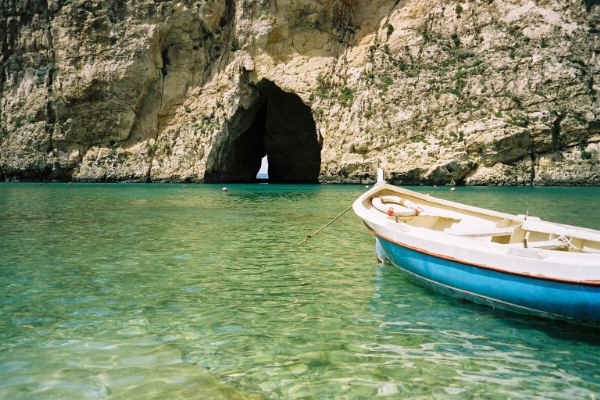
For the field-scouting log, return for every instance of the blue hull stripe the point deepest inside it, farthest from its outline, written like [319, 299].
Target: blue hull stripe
[567, 300]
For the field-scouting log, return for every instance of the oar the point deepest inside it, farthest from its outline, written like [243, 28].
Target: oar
[324, 226]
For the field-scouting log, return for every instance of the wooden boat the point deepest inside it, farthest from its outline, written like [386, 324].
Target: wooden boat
[509, 261]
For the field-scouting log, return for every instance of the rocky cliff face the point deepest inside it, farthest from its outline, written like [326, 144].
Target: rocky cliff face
[490, 91]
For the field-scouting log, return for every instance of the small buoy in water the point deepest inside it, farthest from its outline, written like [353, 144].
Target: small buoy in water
[224, 189]
[434, 186]
[452, 189]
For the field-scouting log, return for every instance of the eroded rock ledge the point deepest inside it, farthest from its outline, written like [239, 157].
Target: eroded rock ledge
[479, 92]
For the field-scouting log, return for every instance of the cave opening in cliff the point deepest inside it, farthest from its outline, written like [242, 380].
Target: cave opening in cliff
[277, 125]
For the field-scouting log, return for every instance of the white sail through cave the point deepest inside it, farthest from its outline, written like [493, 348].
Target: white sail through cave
[263, 172]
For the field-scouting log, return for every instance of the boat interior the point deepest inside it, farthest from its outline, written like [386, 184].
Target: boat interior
[517, 231]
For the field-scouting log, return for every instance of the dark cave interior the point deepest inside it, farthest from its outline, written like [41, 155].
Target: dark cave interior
[278, 125]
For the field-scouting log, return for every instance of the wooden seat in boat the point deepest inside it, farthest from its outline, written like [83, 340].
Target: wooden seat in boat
[503, 231]
[552, 244]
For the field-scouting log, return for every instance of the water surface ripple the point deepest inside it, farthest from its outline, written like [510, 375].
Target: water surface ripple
[185, 291]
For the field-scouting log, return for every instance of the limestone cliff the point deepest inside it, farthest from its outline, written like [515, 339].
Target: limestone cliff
[490, 91]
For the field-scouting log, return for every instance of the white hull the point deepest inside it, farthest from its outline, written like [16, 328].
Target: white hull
[473, 235]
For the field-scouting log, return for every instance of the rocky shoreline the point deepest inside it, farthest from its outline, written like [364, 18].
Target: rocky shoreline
[368, 180]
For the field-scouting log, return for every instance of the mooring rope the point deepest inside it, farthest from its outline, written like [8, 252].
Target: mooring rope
[307, 237]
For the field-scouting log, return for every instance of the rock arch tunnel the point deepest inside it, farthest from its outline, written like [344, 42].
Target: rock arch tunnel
[279, 125]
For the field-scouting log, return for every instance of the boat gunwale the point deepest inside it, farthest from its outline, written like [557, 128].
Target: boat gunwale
[478, 211]
[592, 283]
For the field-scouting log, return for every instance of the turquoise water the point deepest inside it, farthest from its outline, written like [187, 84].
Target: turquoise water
[185, 291]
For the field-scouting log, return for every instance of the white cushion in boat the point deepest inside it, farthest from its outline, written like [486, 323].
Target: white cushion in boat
[483, 232]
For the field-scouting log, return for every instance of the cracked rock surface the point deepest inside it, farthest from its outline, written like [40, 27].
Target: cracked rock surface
[476, 92]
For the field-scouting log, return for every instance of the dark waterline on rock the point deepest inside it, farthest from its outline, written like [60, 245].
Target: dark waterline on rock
[326, 181]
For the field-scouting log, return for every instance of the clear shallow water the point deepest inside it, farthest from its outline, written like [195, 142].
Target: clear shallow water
[183, 291]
